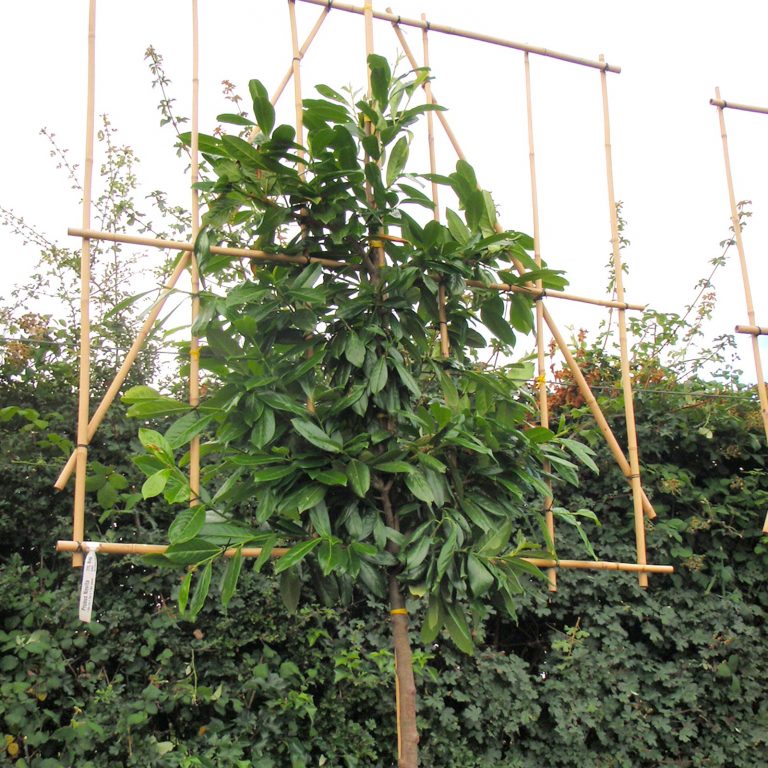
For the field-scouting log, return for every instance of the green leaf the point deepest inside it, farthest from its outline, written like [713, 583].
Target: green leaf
[495, 541]
[290, 589]
[155, 484]
[191, 552]
[378, 377]
[381, 77]
[234, 119]
[480, 578]
[262, 107]
[155, 443]
[419, 487]
[359, 476]
[520, 313]
[201, 591]
[320, 520]
[231, 575]
[458, 629]
[187, 525]
[309, 496]
[188, 426]
[296, 554]
[107, 496]
[186, 583]
[354, 350]
[539, 435]
[398, 157]
[492, 315]
[457, 227]
[395, 467]
[582, 452]
[315, 435]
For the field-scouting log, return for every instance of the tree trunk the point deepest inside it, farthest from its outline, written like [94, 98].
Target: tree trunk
[407, 732]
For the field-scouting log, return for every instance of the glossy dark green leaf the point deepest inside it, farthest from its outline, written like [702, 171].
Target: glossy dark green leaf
[262, 107]
[354, 350]
[231, 576]
[186, 584]
[202, 588]
[359, 476]
[233, 119]
[316, 435]
[458, 629]
[187, 525]
[417, 484]
[480, 578]
[296, 554]
[398, 157]
[191, 552]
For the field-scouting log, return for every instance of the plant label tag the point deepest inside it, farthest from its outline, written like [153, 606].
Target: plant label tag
[88, 586]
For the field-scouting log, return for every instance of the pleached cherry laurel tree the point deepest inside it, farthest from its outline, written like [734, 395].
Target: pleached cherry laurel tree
[335, 428]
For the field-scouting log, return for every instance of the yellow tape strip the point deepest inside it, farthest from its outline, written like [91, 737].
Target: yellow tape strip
[399, 612]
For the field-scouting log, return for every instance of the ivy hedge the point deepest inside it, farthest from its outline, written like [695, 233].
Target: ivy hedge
[600, 673]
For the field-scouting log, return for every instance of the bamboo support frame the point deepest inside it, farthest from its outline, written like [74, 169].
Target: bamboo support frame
[540, 355]
[754, 330]
[446, 30]
[626, 382]
[84, 386]
[120, 376]
[723, 104]
[296, 69]
[129, 548]
[761, 390]
[194, 343]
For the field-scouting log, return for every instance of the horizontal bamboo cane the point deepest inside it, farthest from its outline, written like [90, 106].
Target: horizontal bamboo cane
[126, 548]
[249, 253]
[446, 30]
[723, 104]
[175, 245]
[753, 330]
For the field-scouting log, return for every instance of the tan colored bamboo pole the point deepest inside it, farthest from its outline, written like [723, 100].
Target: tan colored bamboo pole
[194, 342]
[120, 376]
[594, 407]
[541, 293]
[723, 104]
[297, 101]
[128, 548]
[84, 383]
[177, 245]
[445, 345]
[300, 54]
[412, 60]
[540, 352]
[446, 30]
[755, 330]
[430, 124]
[626, 382]
[736, 223]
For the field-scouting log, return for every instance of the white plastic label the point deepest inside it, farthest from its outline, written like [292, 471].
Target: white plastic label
[88, 586]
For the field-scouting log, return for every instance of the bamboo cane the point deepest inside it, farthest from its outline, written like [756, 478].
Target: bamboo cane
[723, 104]
[626, 382]
[736, 223]
[120, 376]
[84, 383]
[755, 330]
[446, 30]
[129, 548]
[412, 60]
[540, 357]
[194, 343]
[297, 102]
[177, 245]
[445, 345]
[594, 407]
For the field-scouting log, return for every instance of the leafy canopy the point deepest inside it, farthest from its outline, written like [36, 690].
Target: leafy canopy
[335, 425]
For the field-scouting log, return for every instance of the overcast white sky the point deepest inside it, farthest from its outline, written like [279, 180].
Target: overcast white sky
[667, 150]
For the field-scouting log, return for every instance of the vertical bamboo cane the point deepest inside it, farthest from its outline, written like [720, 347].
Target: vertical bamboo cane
[297, 104]
[744, 275]
[629, 409]
[194, 344]
[84, 385]
[543, 402]
[445, 345]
